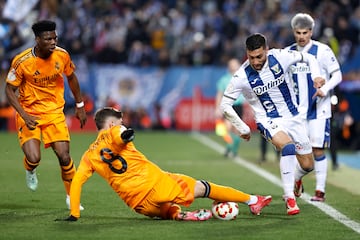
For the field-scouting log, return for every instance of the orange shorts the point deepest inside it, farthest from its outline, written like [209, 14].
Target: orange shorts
[51, 128]
[173, 188]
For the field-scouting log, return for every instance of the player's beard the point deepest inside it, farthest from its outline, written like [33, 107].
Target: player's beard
[257, 67]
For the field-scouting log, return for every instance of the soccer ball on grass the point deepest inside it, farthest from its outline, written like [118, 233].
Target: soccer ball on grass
[225, 210]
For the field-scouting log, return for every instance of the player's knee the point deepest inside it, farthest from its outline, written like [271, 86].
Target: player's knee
[308, 167]
[306, 162]
[33, 156]
[64, 158]
[288, 149]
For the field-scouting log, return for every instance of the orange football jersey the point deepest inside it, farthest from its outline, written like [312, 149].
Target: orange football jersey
[41, 81]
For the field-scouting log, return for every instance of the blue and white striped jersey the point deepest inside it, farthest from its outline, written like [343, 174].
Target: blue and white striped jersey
[268, 91]
[319, 107]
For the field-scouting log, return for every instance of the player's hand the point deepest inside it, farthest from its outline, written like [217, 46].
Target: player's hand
[319, 82]
[318, 93]
[81, 115]
[70, 218]
[246, 136]
[128, 135]
[30, 121]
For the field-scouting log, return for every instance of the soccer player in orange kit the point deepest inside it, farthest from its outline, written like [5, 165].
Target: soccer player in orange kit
[141, 184]
[37, 75]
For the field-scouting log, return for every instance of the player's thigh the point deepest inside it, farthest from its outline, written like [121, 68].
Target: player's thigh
[25, 134]
[297, 130]
[274, 131]
[172, 188]
[319, 133]
[181, 189]
[56, 130]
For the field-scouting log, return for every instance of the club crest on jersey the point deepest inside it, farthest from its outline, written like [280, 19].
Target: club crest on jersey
[57, 66]
[276, 69]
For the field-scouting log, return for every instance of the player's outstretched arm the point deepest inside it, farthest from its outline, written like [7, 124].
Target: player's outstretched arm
[128, 135]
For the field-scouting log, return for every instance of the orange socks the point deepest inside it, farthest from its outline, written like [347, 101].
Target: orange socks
[29, 165]
[225, 194]
[67, 174]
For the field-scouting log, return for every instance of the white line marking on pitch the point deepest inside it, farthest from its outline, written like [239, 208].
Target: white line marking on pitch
[327, 209]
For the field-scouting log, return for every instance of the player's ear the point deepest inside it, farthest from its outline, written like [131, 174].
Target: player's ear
[37, 39]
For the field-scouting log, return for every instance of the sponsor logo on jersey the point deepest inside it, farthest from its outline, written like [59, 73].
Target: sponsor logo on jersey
[269, 106]
[254, 81]
[259, 90]
[300, 68]
[36, 73]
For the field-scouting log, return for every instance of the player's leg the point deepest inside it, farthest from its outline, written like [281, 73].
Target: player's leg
[297, 129]
[304, 166]
[56, 135]
[235, 143]
[320, 139]
[320, 167]
[228, 138]
[287, 164]
[233, 133]
[165, 198]
[173, 211]
[31, 160]
[276, 131]
[263, 149]
[30, 144]
[67, 165]
[220, 193]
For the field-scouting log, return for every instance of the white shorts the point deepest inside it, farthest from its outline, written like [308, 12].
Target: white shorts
[319, 132]
[295, 127]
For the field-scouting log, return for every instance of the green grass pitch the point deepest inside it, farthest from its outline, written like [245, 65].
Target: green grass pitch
[30, 215]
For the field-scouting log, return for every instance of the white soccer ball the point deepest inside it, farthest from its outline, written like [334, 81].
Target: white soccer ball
[225, 210]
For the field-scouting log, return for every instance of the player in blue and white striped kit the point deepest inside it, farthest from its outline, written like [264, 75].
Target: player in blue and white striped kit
[317, 111]
[262, 81]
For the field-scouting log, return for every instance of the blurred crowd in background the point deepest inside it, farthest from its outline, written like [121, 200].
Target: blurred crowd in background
[169, 33]
[197, 32]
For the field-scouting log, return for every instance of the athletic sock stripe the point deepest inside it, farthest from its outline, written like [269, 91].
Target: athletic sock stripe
[68, 167]
[207, 188]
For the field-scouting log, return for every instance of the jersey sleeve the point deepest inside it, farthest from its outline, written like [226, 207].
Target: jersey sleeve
[232, 92]
[15, 75]
[83, 173]
[69, 66]
[329, 61]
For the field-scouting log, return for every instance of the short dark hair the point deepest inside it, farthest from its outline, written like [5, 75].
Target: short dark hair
[256, 41]
[43, 26]
[102, 114]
